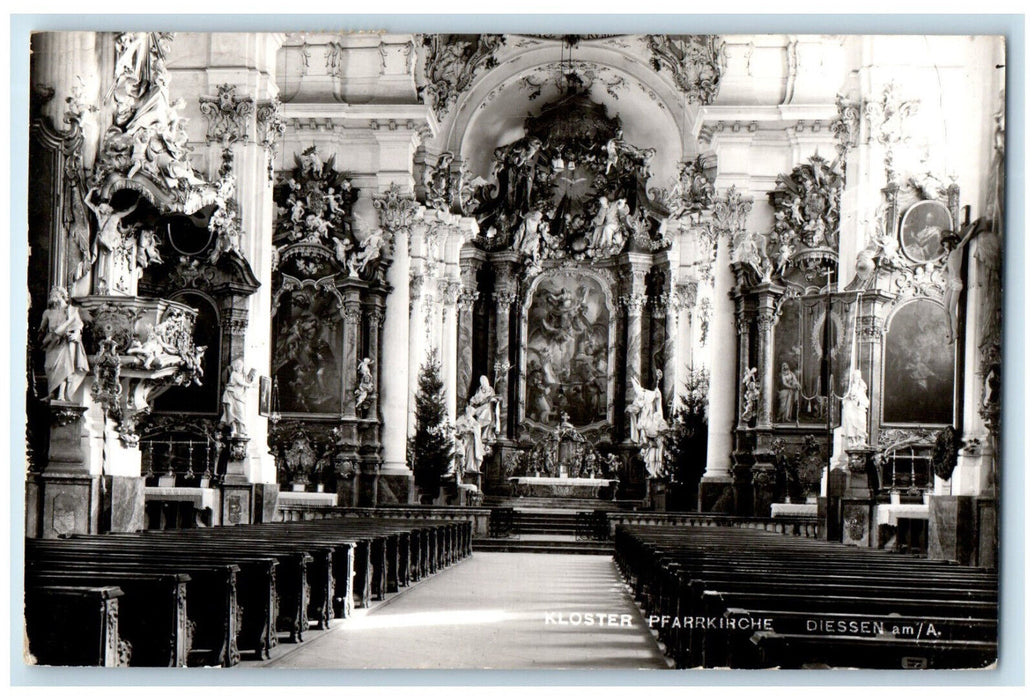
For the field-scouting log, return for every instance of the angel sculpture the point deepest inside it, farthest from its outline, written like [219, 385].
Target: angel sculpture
[366, 383]
[528, 235]
[147, 250]
[369, 251]
[342, 248]
[154, 352]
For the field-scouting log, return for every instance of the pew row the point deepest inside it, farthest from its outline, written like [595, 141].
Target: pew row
[204, 596]
[746, 599]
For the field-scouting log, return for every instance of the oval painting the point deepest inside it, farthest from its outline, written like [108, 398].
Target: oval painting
[922, 227]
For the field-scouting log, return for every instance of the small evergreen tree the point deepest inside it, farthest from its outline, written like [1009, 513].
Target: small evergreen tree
[686, 443]
[430, 450]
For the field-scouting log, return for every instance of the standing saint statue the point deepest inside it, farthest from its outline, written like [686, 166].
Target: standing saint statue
[790, 388]
[636, 409]
[854, 408]
[65, 362]
[469, 435]
[234, 396]
[486, 405]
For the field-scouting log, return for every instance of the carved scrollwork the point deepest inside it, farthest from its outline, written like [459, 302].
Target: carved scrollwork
[684, 295]
[571, 188]
[888, 117]
[466, 299]
[314, 204]
[226, 114]
[846, 127]
[890, 438]
[146, 147]
[922, 281]
[634, 303]
[452, 62]
[397, 211]
[269, 122]
[696, 63]
[765, 319]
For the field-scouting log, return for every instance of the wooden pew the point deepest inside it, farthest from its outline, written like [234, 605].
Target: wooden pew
[211, 592]
[242, 585]
[697, 577]
[73, 625]
[152, 626]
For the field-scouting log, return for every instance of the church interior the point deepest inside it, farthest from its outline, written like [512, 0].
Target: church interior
[314, 317]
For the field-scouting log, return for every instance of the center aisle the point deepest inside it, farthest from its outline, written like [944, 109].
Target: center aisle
[495, 610]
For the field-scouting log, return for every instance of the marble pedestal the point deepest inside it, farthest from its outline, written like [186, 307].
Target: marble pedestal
[963, 529]
[712, 490]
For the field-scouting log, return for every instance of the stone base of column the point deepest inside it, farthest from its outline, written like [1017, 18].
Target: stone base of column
[857, 522]
[394, 486]
[76, 503]
[829, 505]
[33, 505]
[66, 454]
[237, 503]
[716, 494]
[123, 504]
[494, 469]
[265, 503]
[963, 529]
[764, 486]
[71, 504]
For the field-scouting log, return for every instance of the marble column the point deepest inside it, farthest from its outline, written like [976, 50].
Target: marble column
[353, 314]
[635, 299]
[464, 332]
[764, 323]
[417, 338]
[724, 385]
[450, 296]
[743, 360]
[677, 328]
[504, 299]
[375, 324]
[394, 387]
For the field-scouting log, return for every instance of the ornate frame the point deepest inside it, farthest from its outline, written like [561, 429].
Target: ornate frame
[605, 285]
[900, 304]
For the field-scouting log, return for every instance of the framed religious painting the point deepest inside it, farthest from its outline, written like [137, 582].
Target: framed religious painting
[920, 234]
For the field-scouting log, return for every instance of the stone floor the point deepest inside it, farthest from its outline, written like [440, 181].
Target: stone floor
[494, 610]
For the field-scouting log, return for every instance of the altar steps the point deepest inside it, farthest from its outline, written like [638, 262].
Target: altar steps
[540, 523]
[552, 545]
[526, 503]
[544, 530]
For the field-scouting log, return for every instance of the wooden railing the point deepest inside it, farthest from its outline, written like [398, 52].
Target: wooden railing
[478, 517]
[797, 526]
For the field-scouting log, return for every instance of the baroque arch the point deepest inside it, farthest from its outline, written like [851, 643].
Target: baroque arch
[492, 111]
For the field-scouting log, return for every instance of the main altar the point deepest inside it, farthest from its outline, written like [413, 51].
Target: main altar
[569, 312]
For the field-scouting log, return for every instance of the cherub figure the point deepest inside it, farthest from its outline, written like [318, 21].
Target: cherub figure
[147, 250]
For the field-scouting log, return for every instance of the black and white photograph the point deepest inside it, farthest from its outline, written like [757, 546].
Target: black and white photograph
[374, 350]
